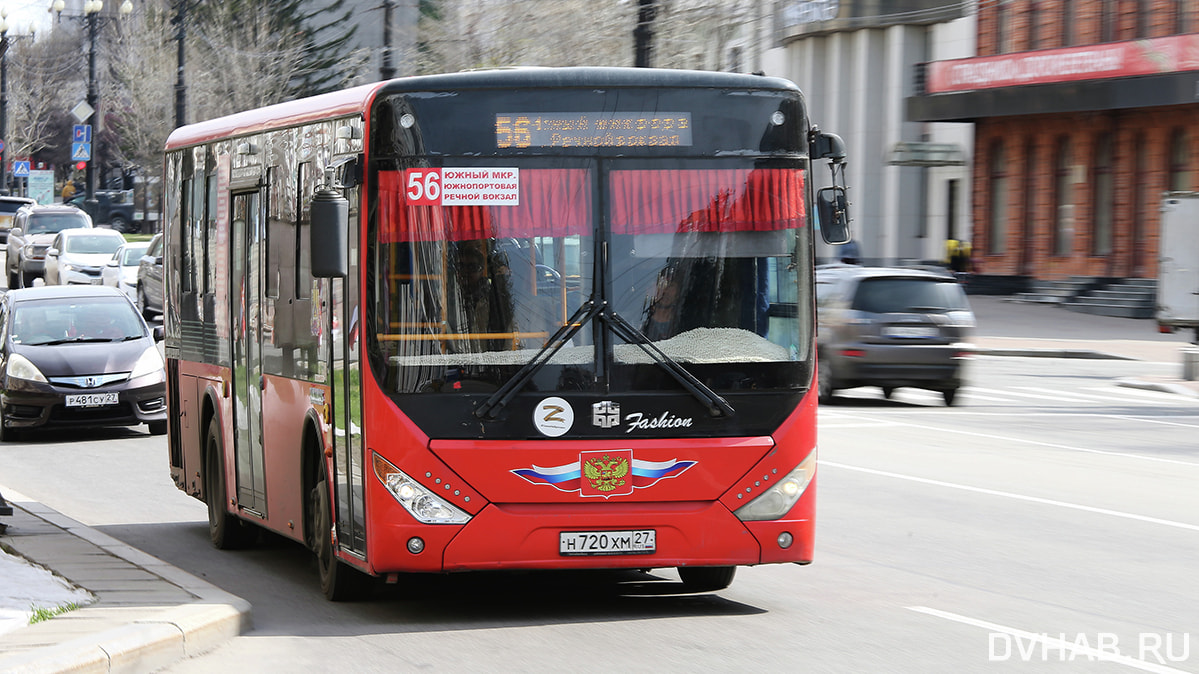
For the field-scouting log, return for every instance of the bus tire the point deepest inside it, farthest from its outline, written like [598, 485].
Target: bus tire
[706, 578]
[339, 581]
[226, 531]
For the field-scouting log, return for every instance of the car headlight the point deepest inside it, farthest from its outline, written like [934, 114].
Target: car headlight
[419, 501]
[149, 363]
[30, 250]
[69, 267]
[19, 367]
[778, 499]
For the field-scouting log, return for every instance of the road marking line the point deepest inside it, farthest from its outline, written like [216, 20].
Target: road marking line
[1156, 396]
[1050, 643]
[1018, 497]
[1051, 445]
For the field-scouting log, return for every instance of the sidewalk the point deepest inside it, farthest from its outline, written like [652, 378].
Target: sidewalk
[147, 614]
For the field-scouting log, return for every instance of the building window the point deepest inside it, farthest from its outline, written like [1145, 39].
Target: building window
[1180, 16]
[1180, 161]
[1103, 204]
[1107, 21]
[1143, 9]
[1034, 24]
[998, 199]
[1063, 199]
[1067, 23]
[1002, 27]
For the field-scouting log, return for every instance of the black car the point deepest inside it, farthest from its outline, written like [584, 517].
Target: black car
[77, 356]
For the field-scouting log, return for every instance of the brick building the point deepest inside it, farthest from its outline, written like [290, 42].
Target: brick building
[1084, 112]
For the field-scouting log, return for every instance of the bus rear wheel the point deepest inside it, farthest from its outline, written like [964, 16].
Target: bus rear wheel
[339, 581]
[226, 531]
[706, 578]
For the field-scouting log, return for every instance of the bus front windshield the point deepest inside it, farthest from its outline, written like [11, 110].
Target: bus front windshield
[702, 258]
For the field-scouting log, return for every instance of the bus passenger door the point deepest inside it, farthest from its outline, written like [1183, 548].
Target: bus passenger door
[247, 261]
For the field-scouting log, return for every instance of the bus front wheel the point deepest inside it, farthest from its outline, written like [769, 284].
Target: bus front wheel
[706, 578]
[339, 581]
[226, 531]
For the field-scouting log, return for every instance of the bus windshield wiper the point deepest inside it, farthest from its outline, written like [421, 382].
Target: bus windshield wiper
[490, 409]
[717, 406]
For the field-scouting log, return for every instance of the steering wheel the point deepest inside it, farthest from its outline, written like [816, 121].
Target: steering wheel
[548, 273]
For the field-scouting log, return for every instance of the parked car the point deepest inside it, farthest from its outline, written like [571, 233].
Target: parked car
[120, 271]
[76, 256]
[113, 208]
[891, 327]
[78, 357]
[149, 279]
[8, 208]
[33, 229]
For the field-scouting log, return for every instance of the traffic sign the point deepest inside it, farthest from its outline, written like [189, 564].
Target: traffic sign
[20, 169]
[81, 133]
[81, 151]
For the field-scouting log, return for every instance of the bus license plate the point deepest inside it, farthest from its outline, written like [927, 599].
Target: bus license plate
[638, 542]
[91, 399]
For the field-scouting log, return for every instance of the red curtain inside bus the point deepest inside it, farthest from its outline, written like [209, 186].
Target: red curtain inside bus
[552, 202]
[557, 202]
[720, 200]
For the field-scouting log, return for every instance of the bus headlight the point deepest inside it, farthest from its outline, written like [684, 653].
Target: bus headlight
[426, 506]
[779, 498]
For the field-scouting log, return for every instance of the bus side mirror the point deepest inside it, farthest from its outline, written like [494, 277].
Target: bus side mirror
[329, 234]
[832, 206]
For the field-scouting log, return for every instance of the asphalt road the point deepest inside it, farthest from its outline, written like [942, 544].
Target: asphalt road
[1047, 521]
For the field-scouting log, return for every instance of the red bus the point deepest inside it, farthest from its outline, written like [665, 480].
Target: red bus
[534, 318]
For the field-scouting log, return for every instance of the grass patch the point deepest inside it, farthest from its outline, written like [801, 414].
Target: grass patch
[43, 614]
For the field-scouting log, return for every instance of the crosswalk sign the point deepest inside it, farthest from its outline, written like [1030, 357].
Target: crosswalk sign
[20, 169]
[81, 151]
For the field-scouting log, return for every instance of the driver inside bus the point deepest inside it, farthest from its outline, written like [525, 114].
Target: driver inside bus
[483, 300]
[662, 310]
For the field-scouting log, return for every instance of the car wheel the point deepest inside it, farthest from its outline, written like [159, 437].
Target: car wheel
[13, 280]
[157, 427]
[141, 305]
[949, 394]
[706, 578]
[824, 380]
[887, 391]
[119, 224]
[226, 531]
[339, 581]
[27, 279]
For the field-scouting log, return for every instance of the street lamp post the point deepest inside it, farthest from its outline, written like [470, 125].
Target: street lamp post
[91, 14]
[5, 43]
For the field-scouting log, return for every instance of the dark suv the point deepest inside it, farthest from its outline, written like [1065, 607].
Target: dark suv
[110, 207]
[33, 228]
[891, 327]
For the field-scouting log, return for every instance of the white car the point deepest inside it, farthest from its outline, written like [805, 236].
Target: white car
[121, 270]
[76, 256]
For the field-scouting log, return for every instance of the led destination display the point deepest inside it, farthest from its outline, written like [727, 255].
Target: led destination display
[592, 129]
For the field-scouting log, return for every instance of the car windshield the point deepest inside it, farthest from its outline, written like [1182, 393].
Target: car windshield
[90, 244]
[130, 257]
[909, 295]
[71, 320]
[56, 222]
[11, 206]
